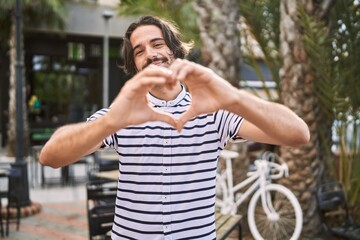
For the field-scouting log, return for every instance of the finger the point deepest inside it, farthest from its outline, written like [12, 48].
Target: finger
[154, 70]
[176, 66]
[158, 75]
[144, 84]
[184, 118]
[149, 82]
[165, 117]
[182, 73]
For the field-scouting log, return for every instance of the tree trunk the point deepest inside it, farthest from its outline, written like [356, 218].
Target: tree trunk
[11, 131]
[298, 93]
[220, 35]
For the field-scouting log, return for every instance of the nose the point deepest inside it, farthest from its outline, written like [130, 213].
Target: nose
[150, 53]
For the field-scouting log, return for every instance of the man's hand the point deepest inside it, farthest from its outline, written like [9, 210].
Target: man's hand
[131, 106]
[265, 121]
[209, 91]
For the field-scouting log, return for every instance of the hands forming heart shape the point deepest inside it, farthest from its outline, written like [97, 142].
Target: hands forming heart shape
[209, 93]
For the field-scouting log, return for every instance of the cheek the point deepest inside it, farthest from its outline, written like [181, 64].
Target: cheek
[138, 64]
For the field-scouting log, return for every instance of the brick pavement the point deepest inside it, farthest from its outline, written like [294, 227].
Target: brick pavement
[56, 221]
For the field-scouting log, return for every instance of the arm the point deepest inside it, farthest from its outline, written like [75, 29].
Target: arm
[269, 122]
[265, 121]
[71, 142]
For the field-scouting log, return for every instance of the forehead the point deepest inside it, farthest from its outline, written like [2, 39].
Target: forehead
[144, 34]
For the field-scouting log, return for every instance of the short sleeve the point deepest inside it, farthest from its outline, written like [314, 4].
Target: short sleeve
[228, 125]
[108, 141]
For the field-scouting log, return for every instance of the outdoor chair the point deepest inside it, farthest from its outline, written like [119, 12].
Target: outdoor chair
[11, 194]
[106, 160]
[87, 163]
[101, 195]
[334, 212]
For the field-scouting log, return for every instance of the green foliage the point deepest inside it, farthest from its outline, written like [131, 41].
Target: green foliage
[44, 12]
[346, 43]
[346, 51]
[333, 53]
[317, 42]
[34, 13]
[5, 20]
[180, 12]
[263, 20]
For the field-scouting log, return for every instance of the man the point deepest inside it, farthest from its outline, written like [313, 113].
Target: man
[168, 140]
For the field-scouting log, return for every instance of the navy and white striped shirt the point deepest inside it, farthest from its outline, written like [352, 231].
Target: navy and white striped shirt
[166, 187]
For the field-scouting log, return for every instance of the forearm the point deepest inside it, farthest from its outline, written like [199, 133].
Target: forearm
[71, 142]
[277, 121]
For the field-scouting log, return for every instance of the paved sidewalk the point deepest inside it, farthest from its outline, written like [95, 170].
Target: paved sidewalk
[56, 221]
[62, 216]
[63, 210]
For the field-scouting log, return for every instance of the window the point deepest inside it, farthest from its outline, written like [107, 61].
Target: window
[40, 63]
[76, 51]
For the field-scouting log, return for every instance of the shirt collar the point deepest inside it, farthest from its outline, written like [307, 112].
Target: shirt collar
[162, 103]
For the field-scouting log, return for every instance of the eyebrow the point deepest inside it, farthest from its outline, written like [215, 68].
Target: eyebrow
[151, 41]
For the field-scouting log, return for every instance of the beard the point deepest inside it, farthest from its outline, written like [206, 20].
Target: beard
[157, 59]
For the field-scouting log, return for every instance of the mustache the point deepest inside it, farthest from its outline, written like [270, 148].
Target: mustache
[150, 61]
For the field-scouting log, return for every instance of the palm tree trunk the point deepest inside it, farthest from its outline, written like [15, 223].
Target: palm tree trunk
[306, 163]
[220, 35]
[11, 133]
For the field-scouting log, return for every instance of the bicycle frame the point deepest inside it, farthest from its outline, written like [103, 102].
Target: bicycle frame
[258, 180]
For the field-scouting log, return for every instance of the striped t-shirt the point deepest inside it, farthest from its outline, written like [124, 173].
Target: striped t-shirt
[166, 187]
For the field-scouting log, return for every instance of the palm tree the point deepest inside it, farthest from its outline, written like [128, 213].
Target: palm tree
[51, 13]
[262, 18]
[299, 93]
[219, 23]
[220, 35]
[346, 53]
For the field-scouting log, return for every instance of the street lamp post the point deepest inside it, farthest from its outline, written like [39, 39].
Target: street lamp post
[107, 14]
[20, 164]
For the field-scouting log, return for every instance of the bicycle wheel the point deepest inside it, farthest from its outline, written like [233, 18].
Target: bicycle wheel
[286, 219]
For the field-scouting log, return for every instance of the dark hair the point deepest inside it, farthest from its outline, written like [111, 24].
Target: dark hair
[171, 36]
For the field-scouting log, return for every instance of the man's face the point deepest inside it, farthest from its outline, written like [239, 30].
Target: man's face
[149, 47]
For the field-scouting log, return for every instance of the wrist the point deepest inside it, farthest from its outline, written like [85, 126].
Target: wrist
[235, 100]
[109, 124]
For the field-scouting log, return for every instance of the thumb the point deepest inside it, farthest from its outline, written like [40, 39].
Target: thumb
[165, 117]
[186, 116]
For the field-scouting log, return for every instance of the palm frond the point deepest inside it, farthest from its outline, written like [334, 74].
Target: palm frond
[181, 12]
[41, 12]
[334, 64]
[318, 47]
[263, 18]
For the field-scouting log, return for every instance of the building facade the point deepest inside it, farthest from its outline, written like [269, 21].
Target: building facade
[64, 70]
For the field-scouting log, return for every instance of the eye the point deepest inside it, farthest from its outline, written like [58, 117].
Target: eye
[158, 44]
[138, 52]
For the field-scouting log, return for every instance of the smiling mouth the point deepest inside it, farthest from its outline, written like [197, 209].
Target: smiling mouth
[156, 61]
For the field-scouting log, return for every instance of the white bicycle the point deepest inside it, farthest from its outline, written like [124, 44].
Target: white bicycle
[273, 212]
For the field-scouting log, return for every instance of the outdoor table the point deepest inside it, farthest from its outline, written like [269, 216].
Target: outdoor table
[109, 156]
[113, 174]
[3, 172]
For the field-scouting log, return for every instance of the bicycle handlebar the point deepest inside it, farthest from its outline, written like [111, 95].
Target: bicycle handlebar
[276, 170]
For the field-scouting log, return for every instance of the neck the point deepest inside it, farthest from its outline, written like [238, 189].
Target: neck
[164, 93]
